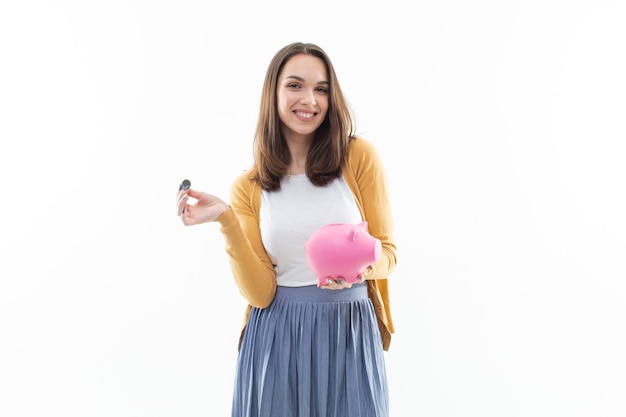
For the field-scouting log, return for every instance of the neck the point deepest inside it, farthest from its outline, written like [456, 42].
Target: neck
[297, 166]
[299, 150]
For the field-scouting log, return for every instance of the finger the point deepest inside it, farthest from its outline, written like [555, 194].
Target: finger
[180, 194]
[339, 284]
[331, 287]
[194, 194]
[343, 283]
[181, 209]
[329, 283]
[182, 205]
[183, 187]
[187, 216]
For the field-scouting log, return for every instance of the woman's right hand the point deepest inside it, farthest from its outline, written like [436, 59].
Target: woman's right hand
[206, 209]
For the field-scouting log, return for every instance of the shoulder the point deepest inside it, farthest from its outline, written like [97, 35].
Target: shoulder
[245, 178]
[358, 145]
[361, 153]
[244, 187]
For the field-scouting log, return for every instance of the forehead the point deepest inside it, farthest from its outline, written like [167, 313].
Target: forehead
[307, 67]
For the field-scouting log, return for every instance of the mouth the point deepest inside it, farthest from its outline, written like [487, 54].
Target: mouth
[304, 115]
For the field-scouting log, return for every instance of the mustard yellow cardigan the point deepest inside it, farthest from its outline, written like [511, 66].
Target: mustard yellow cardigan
[251, 267]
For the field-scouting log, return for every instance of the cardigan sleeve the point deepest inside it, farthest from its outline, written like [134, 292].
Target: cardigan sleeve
[251, 267]
[372, 195]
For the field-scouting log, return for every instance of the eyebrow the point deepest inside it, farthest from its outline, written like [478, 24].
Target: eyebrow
[295, 77]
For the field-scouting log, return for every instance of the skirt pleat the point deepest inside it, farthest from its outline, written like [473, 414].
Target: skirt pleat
[312, 353]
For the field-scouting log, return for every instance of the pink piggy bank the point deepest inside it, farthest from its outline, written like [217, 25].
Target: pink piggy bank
[341, 250]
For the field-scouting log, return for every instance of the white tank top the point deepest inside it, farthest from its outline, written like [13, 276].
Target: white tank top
[290, 215]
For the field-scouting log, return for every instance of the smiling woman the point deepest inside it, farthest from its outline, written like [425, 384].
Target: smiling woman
[501, 128]
[310, 170]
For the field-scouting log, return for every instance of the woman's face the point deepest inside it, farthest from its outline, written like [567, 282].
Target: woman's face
[302, 96]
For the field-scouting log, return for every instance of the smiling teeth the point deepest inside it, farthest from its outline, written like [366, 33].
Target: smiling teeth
[307, 115]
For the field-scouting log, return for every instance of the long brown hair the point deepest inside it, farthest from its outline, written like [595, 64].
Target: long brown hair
[328, 150]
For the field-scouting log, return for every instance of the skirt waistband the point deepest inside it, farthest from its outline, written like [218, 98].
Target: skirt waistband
[312, 293]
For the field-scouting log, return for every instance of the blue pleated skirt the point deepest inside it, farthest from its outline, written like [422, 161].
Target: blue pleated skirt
[312, 353]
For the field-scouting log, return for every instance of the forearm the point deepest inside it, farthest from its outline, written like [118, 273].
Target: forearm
[374, 193]
[250, 266]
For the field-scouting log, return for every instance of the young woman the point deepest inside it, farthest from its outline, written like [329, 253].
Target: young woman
[305, 349]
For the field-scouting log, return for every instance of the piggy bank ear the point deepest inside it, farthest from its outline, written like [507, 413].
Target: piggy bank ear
[353, 232]
[356, 229]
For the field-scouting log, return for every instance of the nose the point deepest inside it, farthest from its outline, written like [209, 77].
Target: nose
[308, 97]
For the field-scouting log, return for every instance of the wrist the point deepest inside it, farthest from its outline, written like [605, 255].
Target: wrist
[223, 214]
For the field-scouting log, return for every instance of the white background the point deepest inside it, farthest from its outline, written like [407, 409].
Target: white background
[501, 124]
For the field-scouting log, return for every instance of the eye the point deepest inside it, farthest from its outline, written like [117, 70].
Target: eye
[323, 90]
[293, 85]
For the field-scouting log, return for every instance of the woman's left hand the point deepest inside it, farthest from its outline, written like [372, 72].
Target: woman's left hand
[340, 283]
